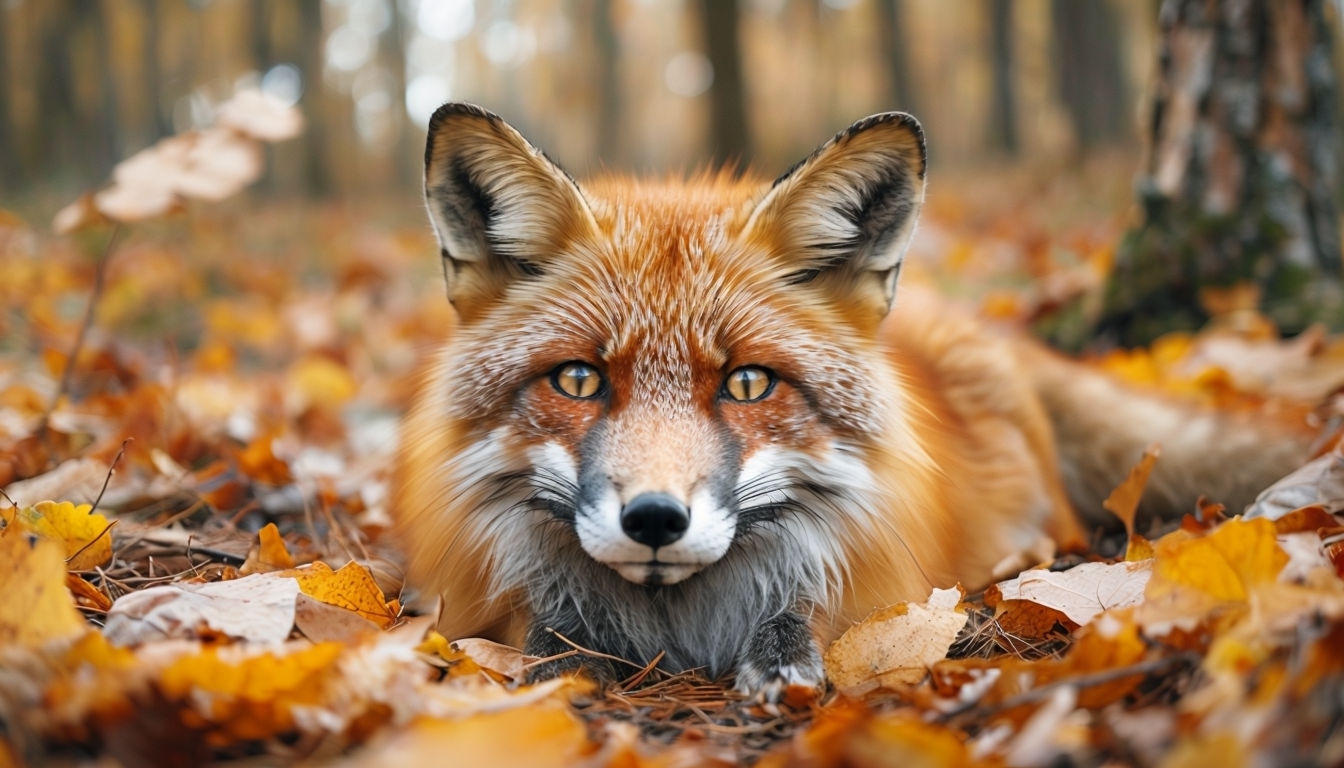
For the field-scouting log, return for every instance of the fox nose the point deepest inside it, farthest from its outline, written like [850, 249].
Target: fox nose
[655, 519]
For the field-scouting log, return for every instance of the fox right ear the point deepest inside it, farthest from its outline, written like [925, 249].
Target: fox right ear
[500, 208]
[843, 218]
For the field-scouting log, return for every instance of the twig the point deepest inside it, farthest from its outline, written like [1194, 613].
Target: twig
[1081, 681]
[99, 281]
[111, 470]
[591, 652]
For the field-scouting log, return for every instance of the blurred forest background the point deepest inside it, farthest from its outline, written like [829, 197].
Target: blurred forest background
[627, 84]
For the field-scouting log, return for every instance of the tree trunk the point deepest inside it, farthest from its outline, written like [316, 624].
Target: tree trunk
[1238, 174]
[1003, 119]
[316, 111]
[606, 60]
[11, 171]
[728, 115]
[902, 94]
[1090, 75]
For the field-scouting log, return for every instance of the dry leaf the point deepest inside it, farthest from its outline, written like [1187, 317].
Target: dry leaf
[1081, 593]
[269, 553]
[895, 646]
[1124, 500]
[1320, 483]
[36, 607]
[85, 535]
[250, 697]
[258, 608]
[352, 587]
[544, 734]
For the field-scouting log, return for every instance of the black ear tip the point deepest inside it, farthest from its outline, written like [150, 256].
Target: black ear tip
[454, 109]
[900, 120]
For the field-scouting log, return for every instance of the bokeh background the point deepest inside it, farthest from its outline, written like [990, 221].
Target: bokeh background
[647, 85]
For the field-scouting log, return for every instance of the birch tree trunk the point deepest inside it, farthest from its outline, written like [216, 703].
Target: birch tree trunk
[1238, 177]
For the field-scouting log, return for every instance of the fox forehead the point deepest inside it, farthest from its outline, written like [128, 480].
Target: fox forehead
[668, 296]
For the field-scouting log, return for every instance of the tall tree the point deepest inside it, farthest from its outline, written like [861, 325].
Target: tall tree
[728, 113]
[1090, 72]
[1239, 170]
[606, 60]
[11, 172]
[1003, 118]
[891, 18]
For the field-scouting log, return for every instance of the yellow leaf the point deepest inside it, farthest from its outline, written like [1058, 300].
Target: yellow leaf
[1221, 565]
[544, 734]
[36, 607]
[321, 381]
[84, 534]
[352, 587]
[268, 554]
[252, 697]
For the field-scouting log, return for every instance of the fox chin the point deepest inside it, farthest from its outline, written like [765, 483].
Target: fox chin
[696, 417]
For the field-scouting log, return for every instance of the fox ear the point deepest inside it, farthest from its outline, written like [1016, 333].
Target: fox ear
[500, 208]
[843, 217]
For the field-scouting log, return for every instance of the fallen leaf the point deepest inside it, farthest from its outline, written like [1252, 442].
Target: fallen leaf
[352, 587]
[1081, 593]
[36, 607]
[269, 553]
[258, 608]
[250, 696]
[1124, 500]
[1319, 482]
[1221, 565]
[896, 645]
[540, 735]
[85, 534]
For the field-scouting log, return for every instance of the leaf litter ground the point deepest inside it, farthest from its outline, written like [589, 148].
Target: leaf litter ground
[196, 565]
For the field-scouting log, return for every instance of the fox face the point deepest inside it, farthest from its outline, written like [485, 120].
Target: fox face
[655, 408]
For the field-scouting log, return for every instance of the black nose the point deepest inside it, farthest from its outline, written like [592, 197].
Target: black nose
[655, 519]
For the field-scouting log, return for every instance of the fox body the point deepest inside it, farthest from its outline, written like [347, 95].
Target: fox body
[696, 418]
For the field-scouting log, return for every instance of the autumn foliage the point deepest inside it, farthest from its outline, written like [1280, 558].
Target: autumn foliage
[194, 565]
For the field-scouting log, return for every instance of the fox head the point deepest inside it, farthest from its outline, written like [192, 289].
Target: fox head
[660, 374]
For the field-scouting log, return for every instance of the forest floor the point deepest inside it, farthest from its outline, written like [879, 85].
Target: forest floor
[196, 567]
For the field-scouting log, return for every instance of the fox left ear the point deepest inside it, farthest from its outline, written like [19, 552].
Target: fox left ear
[843, 218]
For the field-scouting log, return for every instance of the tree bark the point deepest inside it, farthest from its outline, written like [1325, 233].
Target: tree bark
[1238, 174]
[1090, 74]
[1003, 119]
[606, 60]
[728, 116]
[891, 16]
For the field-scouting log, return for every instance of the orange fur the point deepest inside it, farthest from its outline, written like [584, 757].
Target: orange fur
[666, 286]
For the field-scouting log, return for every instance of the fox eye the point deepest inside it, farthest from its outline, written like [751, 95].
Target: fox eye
[578, 380]
[749, 383]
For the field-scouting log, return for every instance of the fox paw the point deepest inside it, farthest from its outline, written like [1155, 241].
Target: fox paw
[770, 683]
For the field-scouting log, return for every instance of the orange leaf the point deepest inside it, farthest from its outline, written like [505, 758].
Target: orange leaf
[1124, 500]
[268, 554]
[352, 587]
[252, 697]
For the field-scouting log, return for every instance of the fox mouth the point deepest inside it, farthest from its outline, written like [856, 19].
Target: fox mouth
[655, 573]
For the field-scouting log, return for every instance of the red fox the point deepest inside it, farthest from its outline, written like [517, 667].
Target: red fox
[697, 418]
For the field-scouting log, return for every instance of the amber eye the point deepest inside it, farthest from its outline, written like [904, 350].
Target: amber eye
[748, 383]
[577, 380]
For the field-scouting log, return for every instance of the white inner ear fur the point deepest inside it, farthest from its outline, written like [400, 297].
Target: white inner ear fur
[491, 193]
[854, 204]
